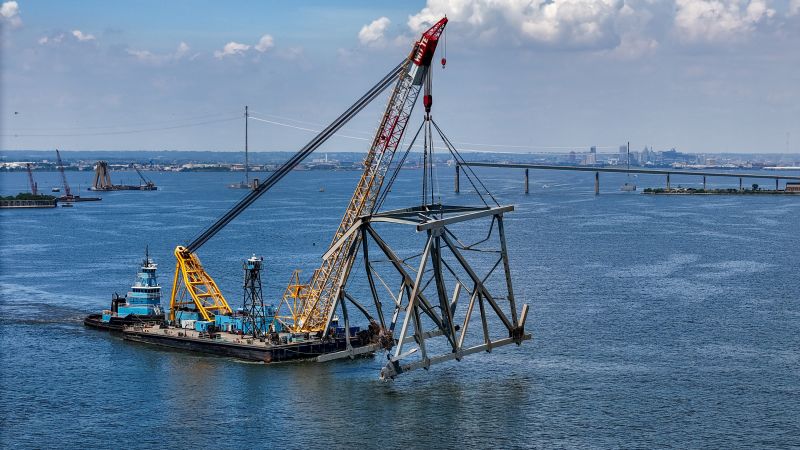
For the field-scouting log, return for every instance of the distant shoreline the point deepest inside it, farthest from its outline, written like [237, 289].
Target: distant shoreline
[718, 192]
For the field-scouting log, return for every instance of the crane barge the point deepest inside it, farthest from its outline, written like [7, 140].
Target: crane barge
[305, 325]
[69, 198]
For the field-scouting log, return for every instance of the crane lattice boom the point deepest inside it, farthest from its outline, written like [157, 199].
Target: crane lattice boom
[67, 191]
[34, 187]
[319, 296]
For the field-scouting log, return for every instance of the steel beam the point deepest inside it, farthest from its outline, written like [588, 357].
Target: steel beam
[478, 282]
[506, 267]
[412, 299]
[390, 371]
[461, 218]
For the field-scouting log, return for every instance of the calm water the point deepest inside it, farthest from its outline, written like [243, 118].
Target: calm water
[657, 321]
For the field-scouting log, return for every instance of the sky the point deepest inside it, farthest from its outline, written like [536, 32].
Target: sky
[521, 75]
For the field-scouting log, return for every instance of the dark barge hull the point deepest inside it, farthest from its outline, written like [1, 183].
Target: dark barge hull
[118, 323]
[277, 353]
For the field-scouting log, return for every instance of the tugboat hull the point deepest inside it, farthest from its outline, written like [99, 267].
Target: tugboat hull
[118, 323]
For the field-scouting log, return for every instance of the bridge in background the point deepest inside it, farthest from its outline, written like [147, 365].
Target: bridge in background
[597, 170]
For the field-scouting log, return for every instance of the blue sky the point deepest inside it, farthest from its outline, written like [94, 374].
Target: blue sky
[538, 75]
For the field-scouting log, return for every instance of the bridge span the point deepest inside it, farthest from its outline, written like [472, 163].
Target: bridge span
[705, 174]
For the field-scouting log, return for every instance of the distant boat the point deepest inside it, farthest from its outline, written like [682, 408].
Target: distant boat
[239, 185]
[55, 189]
[322, 189]
[67, 205]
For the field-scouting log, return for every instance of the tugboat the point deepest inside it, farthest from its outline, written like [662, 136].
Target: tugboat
[142, 305]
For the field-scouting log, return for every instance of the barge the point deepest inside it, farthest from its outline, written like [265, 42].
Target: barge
[275, 347]
[141, 306]
[253, 332]
[24, 200]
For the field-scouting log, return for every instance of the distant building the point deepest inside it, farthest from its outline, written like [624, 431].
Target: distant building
[591, 158]
[646, 156]
[792, 187]
[573, 157]
[623, 154]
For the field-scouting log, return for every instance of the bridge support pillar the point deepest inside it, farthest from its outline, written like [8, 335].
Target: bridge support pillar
[458, 182]
[668, 188]
[704, 182]
[776, 184]
[740, 184]
[597, 183]
[527, 190]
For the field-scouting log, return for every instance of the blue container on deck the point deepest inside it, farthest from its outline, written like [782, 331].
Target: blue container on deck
[186, 315]
[222, 322]
[202, 325]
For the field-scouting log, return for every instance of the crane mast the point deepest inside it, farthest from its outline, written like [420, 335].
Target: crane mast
[34, 187]
[67, 192]
[318, 297]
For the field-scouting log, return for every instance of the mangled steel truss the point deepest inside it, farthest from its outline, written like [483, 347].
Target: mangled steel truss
[433, 294]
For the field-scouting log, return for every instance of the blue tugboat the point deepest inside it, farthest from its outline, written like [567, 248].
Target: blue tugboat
[142, 305]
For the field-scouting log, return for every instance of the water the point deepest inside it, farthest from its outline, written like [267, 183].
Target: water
[657, 321]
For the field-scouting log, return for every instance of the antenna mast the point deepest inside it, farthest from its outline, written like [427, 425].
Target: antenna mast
[246, 159]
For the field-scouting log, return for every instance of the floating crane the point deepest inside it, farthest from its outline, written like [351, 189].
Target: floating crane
[34, 187]
[68, 197]
[148, 184]
[193, 286]
[102, 180]
[425, 307]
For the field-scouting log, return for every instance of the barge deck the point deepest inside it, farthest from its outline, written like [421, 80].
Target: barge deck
[284, 348]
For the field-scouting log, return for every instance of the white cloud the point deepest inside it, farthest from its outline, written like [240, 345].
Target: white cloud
[56, 39]
[373, 34]
[794, 7]
[143, 55]
[719, 20]
[265, 43]
[569, 23]
[9, 11]
[73, 36]
[183, 49]
[231, 48]
[154, 58]
[80, 36]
